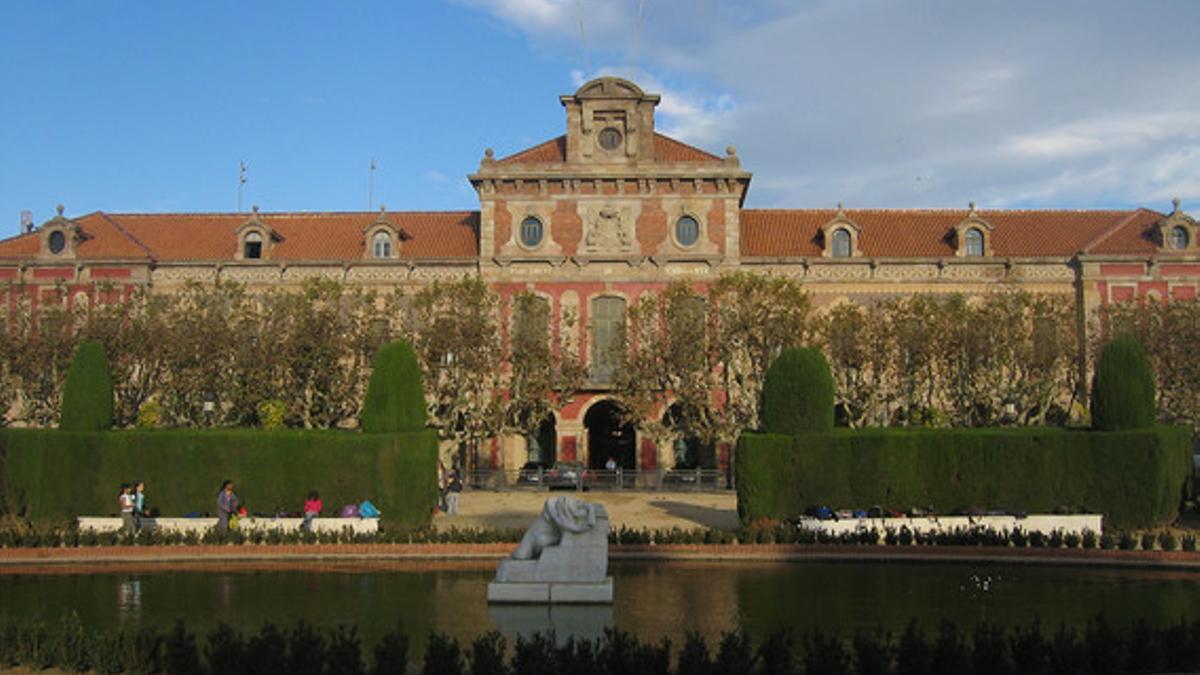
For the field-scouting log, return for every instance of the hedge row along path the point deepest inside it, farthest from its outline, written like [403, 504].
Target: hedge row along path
[428, 556]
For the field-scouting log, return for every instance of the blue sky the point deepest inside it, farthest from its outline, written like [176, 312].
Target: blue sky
[150, 106]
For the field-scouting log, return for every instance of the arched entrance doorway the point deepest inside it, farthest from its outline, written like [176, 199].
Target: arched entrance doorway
[542, 444]
[609, 436]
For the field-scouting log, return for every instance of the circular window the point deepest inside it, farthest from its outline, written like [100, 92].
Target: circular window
[58, 241]
[610, 138]
[687, 231]
[1179, 237]
[531, 232]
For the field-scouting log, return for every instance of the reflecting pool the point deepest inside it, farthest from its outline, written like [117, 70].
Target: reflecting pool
[653, 600]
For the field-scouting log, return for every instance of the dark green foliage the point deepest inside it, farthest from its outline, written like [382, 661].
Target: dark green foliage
[306, 650]
[990, 654]
[824, 654]
[395, 400]
[951, 656]
[180, 654]
[798, 393]
[225, 650]
[34, 648]
[487, 655]
[735, 655]
[443, 656]
[266, 652]
[143, 652]
[345, 652]
[536, 655]
[871, 656]
[87, 403]
[694, 657]
[52, 476]
[1030, 652]
[1123, 387]
[71, 649]
[108, 652]
[775, 654]
[391, 654]
[913, 655]
[1134, 478]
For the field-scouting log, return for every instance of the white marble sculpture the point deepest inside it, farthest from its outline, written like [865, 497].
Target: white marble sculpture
[563, 557]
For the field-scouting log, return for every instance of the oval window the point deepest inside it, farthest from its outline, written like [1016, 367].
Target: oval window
[58, 241]
[531, 232]
[1179, 237]
[610, 138]
[687, 231]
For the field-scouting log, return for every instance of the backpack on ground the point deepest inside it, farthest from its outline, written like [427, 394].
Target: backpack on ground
[349, 511]
[368, 510]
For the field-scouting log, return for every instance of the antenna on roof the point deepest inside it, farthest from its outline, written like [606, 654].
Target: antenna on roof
[637, 38]
[371, 187]
[26, 221]
[241, 181]
[582, 38]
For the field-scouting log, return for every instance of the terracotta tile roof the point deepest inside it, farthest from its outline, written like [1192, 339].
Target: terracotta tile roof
[1133, 236]
[929, 232]
[103, 239]
[305, 236]
[666, 149]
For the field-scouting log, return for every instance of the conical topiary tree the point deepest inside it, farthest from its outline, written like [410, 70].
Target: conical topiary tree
[395, 399]
[1123, 387]
[798, 393]
[88, 391]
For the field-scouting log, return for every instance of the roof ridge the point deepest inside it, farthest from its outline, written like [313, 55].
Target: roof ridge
[1105, 235]
[128, 235]
[176, 214]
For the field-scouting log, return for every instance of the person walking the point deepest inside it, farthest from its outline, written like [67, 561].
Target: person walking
[126, 502]
[453, 490]
[139, 504]
[312, 508]
[227, 505]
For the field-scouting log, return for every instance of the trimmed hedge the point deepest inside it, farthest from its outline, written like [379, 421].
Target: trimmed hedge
[87, 403]
[1133, 478]
[1123, 387]
[395, 399]
[798, 393]
[50, 475]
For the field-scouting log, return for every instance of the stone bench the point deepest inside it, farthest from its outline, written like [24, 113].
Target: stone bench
[1046, 524]
[201, 525]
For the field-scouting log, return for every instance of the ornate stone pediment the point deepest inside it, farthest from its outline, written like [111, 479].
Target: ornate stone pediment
[609, 227]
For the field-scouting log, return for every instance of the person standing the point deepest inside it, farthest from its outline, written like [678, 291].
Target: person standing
[126, 503]
[227, 505]
[139, 504]
[453, 490]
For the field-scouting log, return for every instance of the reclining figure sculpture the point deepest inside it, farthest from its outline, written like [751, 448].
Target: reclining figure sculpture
[563, 557]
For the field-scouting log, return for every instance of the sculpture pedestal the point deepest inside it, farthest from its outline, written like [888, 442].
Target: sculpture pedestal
[559, 592]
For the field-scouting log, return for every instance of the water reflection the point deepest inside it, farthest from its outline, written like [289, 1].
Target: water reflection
[565, 621]
[129, 601]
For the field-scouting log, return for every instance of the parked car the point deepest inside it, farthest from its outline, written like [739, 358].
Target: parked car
[532, 473]
[566, 476]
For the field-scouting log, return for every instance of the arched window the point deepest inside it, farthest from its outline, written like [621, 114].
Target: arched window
[253, 246]
[381, 245]
[687, 231]
[1179, 237]
[974, 243]
[841, 243]
[608, 326]
[531, 232]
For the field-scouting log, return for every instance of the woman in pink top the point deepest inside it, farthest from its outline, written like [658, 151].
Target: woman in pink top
[312, 509]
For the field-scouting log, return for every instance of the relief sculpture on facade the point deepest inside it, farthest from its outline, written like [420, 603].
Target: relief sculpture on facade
[609, 230]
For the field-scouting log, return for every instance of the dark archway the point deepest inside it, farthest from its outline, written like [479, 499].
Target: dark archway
[543, 443]
[609, 436]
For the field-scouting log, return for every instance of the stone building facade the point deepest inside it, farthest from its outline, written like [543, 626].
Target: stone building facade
[597, 217]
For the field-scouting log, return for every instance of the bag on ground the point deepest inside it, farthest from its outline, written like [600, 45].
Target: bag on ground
[368, 510]
[349, 511]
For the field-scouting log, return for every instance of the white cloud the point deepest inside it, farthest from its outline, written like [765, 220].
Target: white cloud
[912, 102]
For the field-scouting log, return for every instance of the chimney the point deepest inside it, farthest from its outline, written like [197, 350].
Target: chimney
[26, 221]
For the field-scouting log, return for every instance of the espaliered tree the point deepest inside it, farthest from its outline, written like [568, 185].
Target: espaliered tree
[798, 393]
[1123, 387]
[395, 399]
[88, 391]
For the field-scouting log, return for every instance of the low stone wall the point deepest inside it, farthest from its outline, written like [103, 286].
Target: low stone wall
[200, 525]
[1045, 524]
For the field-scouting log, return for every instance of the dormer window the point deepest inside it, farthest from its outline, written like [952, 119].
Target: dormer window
[252, 246]
[1179, 238]
[57, 242]
[381, 245]
[841, 243]
[974, 248]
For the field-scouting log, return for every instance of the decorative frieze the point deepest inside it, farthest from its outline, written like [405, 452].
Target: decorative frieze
[973, 272]
[919, 272]
[839, 272]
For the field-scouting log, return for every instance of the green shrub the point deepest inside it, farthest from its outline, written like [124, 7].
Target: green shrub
[271, 414]
[798, 393]
[1123, 387]
[1133, 478]
[149, 415]
[88, 392]
[54, 475]
[395, 400]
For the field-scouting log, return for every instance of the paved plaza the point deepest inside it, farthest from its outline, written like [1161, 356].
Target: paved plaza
[635, 510]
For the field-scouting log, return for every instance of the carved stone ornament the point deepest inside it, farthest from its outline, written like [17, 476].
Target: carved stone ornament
[609, 230]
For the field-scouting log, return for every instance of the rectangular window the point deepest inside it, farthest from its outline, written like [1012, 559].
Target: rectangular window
[608, 326]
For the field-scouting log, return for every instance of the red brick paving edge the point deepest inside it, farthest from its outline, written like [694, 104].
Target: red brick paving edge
[665, 552]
